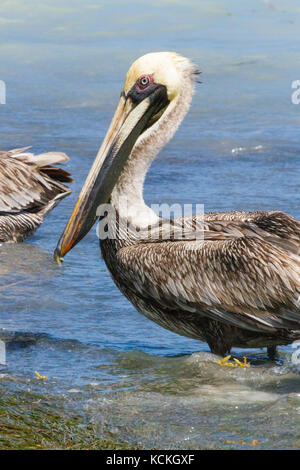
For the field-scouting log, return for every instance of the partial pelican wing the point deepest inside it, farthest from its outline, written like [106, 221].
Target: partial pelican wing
[239, 274]
[28, 182]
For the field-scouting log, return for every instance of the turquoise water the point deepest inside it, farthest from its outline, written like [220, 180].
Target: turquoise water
[64, 63]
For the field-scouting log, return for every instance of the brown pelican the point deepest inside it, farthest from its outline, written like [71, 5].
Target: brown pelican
[237, 287]
[29, 188]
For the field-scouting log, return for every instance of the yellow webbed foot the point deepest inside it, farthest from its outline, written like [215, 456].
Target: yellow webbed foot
[43, 377]
[237, 363]
[224, 362]
[242, 364]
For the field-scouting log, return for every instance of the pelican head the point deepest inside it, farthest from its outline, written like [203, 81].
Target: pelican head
[152, 88]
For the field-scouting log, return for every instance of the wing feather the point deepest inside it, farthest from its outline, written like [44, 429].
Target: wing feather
[239, 274]
[27, 182]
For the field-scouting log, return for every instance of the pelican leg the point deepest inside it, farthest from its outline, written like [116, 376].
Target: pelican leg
[272, 353]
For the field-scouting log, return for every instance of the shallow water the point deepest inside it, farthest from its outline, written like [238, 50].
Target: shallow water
[238, 148]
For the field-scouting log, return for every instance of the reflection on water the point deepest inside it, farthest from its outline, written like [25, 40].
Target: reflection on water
[63, 64]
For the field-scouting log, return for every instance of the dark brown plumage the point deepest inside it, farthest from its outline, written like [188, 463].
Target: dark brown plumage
[239, 287]
[30, 187]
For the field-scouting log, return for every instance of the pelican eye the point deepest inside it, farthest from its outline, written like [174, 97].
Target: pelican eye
[144, 81]
[143, 86]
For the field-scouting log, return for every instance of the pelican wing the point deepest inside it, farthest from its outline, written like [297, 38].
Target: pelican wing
[239, 274]
[279, 228]
[28, 182]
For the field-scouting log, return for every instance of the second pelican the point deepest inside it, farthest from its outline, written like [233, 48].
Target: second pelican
[239, 286]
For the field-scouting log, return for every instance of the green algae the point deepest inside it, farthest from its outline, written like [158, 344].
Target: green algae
[29, 422]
